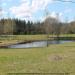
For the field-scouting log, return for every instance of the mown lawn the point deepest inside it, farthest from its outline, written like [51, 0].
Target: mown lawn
[52, 59]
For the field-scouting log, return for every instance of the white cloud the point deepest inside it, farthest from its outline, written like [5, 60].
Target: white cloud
[40, 4]
[53, 15]
[68, 10]
[68, 0]
[2, 12]
[27, 8]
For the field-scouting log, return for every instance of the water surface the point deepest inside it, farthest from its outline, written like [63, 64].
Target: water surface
[37, 44]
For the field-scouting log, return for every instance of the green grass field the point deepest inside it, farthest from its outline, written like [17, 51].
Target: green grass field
[53, 59]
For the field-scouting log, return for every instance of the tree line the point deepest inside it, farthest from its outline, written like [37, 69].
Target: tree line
[48, 26]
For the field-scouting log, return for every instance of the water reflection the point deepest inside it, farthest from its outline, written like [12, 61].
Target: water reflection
[37, 44]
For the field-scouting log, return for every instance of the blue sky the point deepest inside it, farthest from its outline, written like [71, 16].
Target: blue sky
[35, 9]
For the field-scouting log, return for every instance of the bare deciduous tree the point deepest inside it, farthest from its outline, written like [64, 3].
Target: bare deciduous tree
[52, 26]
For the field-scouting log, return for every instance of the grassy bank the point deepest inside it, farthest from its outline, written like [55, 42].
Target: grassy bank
[12, 39]
[52, 59]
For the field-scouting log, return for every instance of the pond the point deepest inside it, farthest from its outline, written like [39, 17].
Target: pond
[37, 44]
